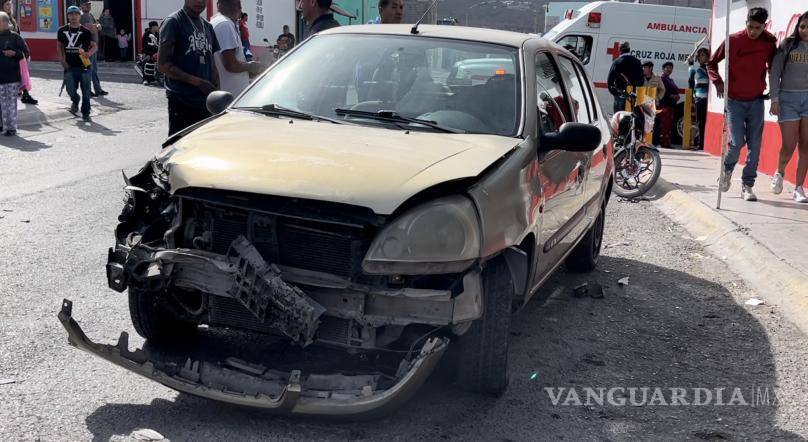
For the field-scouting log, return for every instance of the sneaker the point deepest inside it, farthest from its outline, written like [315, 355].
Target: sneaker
[102, 93]
[10, 133]
[799, 195]
[86, 119]
[777, 183]
[146, 83]
[74, 109]
[747, 194]
[725, 181]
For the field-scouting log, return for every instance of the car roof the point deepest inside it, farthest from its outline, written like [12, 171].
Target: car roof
[506, 38]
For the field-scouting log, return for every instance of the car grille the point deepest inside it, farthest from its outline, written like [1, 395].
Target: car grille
[314, 245]
[228, 312]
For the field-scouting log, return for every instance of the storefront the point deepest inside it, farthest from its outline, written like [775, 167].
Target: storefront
[40, 19]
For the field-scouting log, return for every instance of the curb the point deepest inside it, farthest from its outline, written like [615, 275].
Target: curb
[772, 278]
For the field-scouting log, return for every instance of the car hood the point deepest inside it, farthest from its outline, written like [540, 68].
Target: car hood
[375, 168]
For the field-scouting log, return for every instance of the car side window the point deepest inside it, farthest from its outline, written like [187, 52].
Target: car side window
[590, 93]
[579, 45]
[553, 108]
[576, 90]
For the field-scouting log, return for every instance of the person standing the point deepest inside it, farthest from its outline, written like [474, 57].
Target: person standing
[7, 7]
[76, 47]
[788, 84]
[390, 12]
[626, 71]
[151, 46]
[187, 45]
[123, 44]
[668, 105]
[317, 14]
[699, 82]
[244, 34]
[89, 21]
[108, 41]
[752, 51]
[12, 50]
[651, 80]
[232, 66]
[286, 41]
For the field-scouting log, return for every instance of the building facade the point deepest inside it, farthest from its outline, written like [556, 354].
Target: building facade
[40, 19]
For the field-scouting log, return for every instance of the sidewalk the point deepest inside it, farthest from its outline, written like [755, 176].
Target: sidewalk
[764, 242]
[52, 110]
[113, 71]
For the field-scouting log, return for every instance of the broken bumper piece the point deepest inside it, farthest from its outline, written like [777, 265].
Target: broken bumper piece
[240, 383]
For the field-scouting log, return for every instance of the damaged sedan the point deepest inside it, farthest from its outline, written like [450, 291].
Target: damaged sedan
[378, 196]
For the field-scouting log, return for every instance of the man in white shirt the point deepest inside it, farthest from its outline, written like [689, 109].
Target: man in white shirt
[233, 68]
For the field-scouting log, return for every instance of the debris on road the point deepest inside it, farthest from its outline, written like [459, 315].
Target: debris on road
[7, 381]
[617, 244]
[754, 301]
[596, 292]
[581, 291]
[623, 282]
[146, 434]
[592, 359]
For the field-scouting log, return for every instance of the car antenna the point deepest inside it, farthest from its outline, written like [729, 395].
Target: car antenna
[414, 30]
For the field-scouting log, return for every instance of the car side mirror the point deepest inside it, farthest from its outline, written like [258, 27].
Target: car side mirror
[572, 137]
[218, 101]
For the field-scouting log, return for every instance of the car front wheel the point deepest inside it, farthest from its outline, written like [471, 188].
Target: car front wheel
[584, 257]
[483, 353]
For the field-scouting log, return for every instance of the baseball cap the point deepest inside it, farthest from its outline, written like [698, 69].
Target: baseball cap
[73, 10]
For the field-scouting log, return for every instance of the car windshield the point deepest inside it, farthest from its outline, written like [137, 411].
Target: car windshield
[392, 81]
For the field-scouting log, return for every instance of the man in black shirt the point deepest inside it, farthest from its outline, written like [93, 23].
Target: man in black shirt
[286, 41]
[187, 45]
[317, 14]
[76, 47]
[626, 71]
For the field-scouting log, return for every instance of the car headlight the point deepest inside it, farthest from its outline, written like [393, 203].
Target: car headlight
[442, 236]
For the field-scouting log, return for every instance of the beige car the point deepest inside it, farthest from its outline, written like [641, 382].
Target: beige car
[355, 213]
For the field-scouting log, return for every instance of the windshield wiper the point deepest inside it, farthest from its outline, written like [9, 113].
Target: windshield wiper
[274, 109]
[393, 117]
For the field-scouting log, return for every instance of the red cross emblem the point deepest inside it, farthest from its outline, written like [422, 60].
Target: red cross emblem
[614, 51]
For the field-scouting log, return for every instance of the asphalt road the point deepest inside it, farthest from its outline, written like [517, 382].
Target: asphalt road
[680, 323]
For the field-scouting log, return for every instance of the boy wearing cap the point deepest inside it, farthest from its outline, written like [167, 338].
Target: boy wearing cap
[317, 14]
[76, 46]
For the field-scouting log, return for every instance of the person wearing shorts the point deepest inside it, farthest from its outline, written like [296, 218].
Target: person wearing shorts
[789, 91]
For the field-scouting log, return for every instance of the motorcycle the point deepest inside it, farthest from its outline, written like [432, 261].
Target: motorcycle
[637, 163]
[146, 67]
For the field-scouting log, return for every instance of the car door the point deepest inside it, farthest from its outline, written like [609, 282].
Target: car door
[586, 111]
[561, 172]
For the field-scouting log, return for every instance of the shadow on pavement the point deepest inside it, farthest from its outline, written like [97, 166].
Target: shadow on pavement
[22, 144]
[667, 329]
[97, 128]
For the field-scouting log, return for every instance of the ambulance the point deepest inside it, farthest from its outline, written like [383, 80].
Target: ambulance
[656, 33]
[783, 18]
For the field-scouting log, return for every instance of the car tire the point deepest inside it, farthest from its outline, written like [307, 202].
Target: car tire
[156, 323]
[584, 257]
[482, 363]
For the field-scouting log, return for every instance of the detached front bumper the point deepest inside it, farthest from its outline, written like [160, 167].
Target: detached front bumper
[240, 383]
